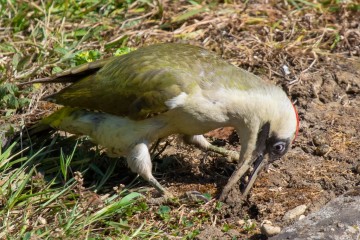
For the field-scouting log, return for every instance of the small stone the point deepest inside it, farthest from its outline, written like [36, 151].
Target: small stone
[340, 225]
[294, 213]
[301, 217]
[286, 69]
[357, 168]
[268, 229]
[42, 220]
[248, 222]
[246, 179]
[322, 150]
[233, 233]
[319, 140]
[241, 222]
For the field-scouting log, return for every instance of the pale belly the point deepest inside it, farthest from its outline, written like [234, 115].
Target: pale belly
[120, 134]
[192, 123]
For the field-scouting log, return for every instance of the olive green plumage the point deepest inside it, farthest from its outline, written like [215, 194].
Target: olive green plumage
[139, 83]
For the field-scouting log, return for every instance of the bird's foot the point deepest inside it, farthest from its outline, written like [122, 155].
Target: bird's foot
[191, 196]
[158, 201]
[201, 142]
[165, 198]
[195, 196]
[232, 156]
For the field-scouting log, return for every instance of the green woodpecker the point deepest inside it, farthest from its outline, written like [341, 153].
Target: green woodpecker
[126, 103]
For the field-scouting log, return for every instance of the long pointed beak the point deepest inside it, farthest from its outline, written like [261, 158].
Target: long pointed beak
[241, 170]
[259, 164]
[253, 142]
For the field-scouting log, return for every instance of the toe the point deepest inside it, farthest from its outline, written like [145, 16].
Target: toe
[233, 156]
[196, 196]
[165, 198]
[157, 201]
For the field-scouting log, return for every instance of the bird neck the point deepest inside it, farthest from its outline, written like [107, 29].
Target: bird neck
[250, 109]
[247, 107]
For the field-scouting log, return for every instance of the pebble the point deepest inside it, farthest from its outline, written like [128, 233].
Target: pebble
[301, 217]
[42, 220]
[241, 222]
[233, 233]
[322, 150]
[340, 225]
[357, 168]
[319, 140]
[268, 229]
[295, 213]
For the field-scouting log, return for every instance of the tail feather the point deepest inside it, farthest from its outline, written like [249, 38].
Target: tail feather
[55, 119]
[69, 78]
[72, 75]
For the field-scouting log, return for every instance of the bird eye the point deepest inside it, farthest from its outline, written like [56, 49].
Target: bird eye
[279, 147]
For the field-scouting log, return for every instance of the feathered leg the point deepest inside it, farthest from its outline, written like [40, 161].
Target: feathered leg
[201, 142]
[139, 162]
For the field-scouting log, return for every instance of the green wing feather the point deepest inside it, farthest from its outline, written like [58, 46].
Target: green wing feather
[139, 83]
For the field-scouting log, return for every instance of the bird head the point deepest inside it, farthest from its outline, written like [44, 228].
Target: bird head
[277, 129]
[267, 123]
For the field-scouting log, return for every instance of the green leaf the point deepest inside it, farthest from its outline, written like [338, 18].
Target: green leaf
[80, 32]
[123, 50]
[164, 212]
[129, 198]
[16, 60]
[56, 70]
[86, 56]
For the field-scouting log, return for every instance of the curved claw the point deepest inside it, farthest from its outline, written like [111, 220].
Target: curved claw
[157, 201]
[201, 142]
[231, 156]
